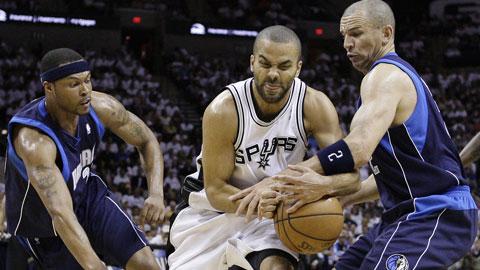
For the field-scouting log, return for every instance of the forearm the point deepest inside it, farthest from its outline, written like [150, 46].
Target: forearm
[368, 192]
[471, 152]
[218, 197]
[152, 163]
[312, 163]
[75, 238]
[344, 184]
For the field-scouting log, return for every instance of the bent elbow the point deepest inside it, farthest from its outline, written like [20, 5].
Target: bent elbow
[212, 196]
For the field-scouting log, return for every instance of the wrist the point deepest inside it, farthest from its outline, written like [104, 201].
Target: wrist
[336, 158]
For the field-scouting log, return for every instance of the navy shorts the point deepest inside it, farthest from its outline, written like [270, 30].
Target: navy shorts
[112, 234]
[432, 240]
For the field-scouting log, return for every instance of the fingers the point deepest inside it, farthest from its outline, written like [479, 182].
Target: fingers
[284, 188]
[242, 207]
[241, 194]
[298, 168]
[252, 207]
[296, 206]
[143, 215]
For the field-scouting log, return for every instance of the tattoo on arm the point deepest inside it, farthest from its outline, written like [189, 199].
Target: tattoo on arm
[46, 180]
[136, 129]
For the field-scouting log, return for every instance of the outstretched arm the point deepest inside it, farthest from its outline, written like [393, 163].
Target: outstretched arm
[134, 131]
[388, 99]
[471, 152]
[38, 153]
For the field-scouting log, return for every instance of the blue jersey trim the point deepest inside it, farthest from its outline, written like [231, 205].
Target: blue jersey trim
[41, 108]
[456, 198]
[12, 156]
[100, 127]
[417, 123]
[50, 133]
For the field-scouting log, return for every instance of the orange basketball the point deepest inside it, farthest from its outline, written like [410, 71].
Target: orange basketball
[311, 229]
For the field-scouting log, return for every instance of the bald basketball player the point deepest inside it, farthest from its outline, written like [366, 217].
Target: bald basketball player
[251, 131]
[430, 218]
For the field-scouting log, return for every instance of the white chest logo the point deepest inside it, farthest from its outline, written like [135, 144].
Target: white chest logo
[89, 130]
[83, 168]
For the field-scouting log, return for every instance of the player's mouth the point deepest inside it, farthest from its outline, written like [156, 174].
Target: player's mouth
[85, 102]
[272, 87]
[352, 56]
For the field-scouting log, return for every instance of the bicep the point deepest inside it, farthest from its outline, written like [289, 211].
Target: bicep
[120, 121]
[372, 120]
[132, 129]
[381, 93]
[38, 153]
[218, 153]
[321, 120]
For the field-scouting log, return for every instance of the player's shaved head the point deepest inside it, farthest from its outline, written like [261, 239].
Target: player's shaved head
[377, 12]
[278, 34]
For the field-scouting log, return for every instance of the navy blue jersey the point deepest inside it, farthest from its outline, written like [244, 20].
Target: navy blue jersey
[26, 214]
[418, 158]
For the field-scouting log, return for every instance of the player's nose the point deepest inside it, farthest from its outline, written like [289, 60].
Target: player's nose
[347, 43]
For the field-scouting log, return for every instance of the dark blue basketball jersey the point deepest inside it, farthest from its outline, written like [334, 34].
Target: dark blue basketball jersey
[26, 214]
[418, 158]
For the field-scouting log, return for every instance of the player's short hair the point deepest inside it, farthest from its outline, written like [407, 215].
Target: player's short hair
[58, 57]
[280, 34]
[377, 11]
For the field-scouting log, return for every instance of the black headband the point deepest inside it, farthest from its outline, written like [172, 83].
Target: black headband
[63, 71]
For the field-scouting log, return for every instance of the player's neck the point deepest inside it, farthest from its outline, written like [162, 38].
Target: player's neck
[65, 120]
[267, 111]
[381, 53]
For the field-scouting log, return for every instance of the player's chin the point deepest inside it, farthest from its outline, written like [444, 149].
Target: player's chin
[82, 110]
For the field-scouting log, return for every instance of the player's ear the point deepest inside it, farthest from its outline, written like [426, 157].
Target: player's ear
[299, 68]
[252, 60]
[49, 87]
[387, 34]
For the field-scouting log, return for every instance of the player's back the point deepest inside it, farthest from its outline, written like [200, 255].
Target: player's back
[26, 214]
[418, 158]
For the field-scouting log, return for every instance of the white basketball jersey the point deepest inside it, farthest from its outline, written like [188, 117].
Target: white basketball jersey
[264, 149]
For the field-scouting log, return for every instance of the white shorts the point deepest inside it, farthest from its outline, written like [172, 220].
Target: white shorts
[205, 239]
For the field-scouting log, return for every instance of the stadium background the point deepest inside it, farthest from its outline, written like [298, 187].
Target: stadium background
[166, 60]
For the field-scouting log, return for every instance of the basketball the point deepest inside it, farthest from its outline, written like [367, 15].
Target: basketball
[312, 228]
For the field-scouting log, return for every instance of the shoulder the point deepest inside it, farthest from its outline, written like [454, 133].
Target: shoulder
[385, 77]
[31, 143]
[221, 107]
[221, 112]
[104, 103]
[317, 104]
[110, 111]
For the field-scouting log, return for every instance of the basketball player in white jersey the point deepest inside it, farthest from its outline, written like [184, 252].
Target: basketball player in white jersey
[251, 131]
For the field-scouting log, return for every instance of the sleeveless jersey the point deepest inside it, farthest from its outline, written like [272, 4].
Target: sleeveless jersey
[418, 158]
[262, 149]
[26, 214]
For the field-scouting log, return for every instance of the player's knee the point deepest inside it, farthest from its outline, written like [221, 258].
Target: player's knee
[276, 263]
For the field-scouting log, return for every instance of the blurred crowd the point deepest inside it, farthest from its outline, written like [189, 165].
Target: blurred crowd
[441, 50]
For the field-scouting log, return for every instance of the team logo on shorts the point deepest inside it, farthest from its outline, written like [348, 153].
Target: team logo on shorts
[397, 262]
